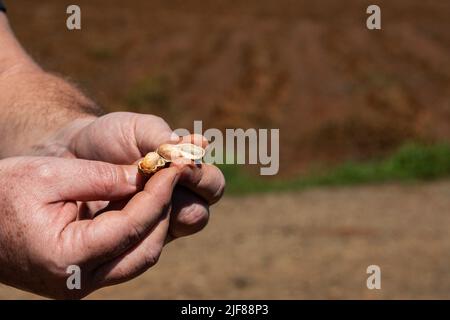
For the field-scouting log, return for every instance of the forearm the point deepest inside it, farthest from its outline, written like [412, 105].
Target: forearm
[33, 104]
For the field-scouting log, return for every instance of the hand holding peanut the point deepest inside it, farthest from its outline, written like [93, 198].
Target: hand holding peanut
[125, 138]
[43, 232]
[167, 153]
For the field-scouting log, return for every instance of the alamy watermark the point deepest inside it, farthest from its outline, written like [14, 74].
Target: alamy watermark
[374, 280]
[73, 21]
[74, 280]
[239, 146]
[373, 22]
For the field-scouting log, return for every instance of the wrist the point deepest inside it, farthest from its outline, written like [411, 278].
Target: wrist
[60, 144]
[39, 105]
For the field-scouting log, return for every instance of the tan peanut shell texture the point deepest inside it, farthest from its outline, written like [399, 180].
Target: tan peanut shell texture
[166, 153]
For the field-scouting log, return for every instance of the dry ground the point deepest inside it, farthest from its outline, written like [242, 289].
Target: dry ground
[315, 244]
[336, 90]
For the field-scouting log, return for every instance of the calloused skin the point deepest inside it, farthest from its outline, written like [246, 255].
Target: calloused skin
[70, 193]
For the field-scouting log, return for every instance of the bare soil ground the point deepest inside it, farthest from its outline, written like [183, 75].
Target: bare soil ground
[314, 244]
[336, 90]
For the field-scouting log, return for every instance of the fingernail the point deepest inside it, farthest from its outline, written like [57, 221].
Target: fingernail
[132, 177]
[174, 137]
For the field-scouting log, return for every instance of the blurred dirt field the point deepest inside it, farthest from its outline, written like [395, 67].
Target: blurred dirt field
[309, 245]
[336, 90]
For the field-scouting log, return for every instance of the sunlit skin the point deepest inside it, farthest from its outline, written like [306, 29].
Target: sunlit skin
[70, 191]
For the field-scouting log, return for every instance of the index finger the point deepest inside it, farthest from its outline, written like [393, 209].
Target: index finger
[113, 232]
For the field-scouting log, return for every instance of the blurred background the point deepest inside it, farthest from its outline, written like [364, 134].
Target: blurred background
[364, 119]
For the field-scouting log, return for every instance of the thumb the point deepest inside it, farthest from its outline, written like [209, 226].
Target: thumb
[85, 180]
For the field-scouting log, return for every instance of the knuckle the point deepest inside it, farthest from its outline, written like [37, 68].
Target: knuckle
[151, 196]
[42, 170]
[159, 123]
[218, 194]
[152, 257]
[151, 260]
[158, 120]
[195, 216]
[111, 178]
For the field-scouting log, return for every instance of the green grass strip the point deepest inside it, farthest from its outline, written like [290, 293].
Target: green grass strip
[412, 162]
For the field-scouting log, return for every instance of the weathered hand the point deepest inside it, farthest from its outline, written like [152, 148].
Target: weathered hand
[50, 208]
[43, 228]
[123, 138]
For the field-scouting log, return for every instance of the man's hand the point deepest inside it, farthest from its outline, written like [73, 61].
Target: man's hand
[56, 212]
[124, 138]
[43, 228]
[41, 114]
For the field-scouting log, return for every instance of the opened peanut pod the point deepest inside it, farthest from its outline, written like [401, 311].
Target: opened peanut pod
[166, 153]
